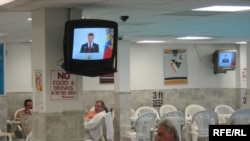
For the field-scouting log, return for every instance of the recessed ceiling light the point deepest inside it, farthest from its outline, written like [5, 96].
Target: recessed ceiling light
[220, 8]
[2, 34]
[240, 42]
[29, 19]
[150, 41]
[193, 38]
[3, 2]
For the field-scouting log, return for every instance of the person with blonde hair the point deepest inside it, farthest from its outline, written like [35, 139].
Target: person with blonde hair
[167, 131]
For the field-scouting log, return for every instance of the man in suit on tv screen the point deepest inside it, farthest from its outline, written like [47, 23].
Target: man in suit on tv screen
[90, 46]
[225, 59]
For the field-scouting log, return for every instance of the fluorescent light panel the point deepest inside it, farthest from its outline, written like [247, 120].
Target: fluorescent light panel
[3, 2]
[2, 34]
[240, 42]
[220, 8]
[150, 41]
[29, 19]
[193, 38]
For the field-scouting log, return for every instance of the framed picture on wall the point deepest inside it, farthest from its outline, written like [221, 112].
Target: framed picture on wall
[107, 78]
[2, 69]
[175, 66]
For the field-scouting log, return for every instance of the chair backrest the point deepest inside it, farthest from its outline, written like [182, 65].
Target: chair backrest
[203, 119]
[26, 123]
[223, 109]
[108, 127]
[240, 116]
[18, 110]
[177, 118]
[28, 138]
[92, 108]
[132, 113]
[224, 112]
[165, 108]
[191, 109]
[146, 109]
[143, 125]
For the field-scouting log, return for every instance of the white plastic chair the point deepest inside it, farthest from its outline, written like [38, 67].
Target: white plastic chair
[18, 110]
[192, 109]
[28, 138]
[15, 125]
[5, 134]
[92, 108]
[146, 109]
[240, 117]
[177, 118]
[202, 120]
[224, 112]
[26, 124]
[165, 108]
[143, 125]
[132, 113]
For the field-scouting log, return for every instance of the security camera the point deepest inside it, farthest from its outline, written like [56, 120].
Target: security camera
[120, 38]
[124, 18]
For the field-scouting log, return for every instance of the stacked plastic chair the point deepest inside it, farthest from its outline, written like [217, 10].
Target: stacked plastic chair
[202, 120]
[240, 117]
[143, 125]
[165, 108]
[5, 134]
[224, 112]
[177, 118]
[147, 109]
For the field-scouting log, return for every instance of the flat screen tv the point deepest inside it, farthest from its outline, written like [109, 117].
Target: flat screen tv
[224, 60]
[90, 47]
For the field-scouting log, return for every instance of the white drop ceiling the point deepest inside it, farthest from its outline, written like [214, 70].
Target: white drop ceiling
[148, 19]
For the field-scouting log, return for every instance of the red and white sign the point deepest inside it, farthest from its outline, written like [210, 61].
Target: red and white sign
[244, 74]
[63, 85]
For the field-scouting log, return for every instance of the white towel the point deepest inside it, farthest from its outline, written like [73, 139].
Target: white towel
[109, 126]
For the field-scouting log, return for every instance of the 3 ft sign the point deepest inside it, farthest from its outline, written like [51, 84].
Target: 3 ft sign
[63, 85]
[157, 99]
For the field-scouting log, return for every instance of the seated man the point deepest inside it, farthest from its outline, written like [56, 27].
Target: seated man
[28, 105]
[91, 124]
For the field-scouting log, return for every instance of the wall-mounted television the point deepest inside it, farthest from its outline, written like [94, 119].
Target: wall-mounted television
[90, 47]
[224, 60]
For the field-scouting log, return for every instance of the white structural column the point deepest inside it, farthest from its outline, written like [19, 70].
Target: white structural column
[55, 117]
[248, 75]
[240, 75]
[122, 89]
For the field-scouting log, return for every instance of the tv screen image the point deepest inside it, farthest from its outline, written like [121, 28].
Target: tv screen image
[227, 59]
[224, 60]
[90, 47]
[97, 48]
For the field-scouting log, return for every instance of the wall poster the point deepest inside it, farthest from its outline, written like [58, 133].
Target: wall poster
[175, 66]
[38, 79]
[107, 78]
[63, 86]
[2, 57]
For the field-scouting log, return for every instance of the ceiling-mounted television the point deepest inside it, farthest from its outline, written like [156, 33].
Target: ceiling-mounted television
[224, 60]
[90, 47]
